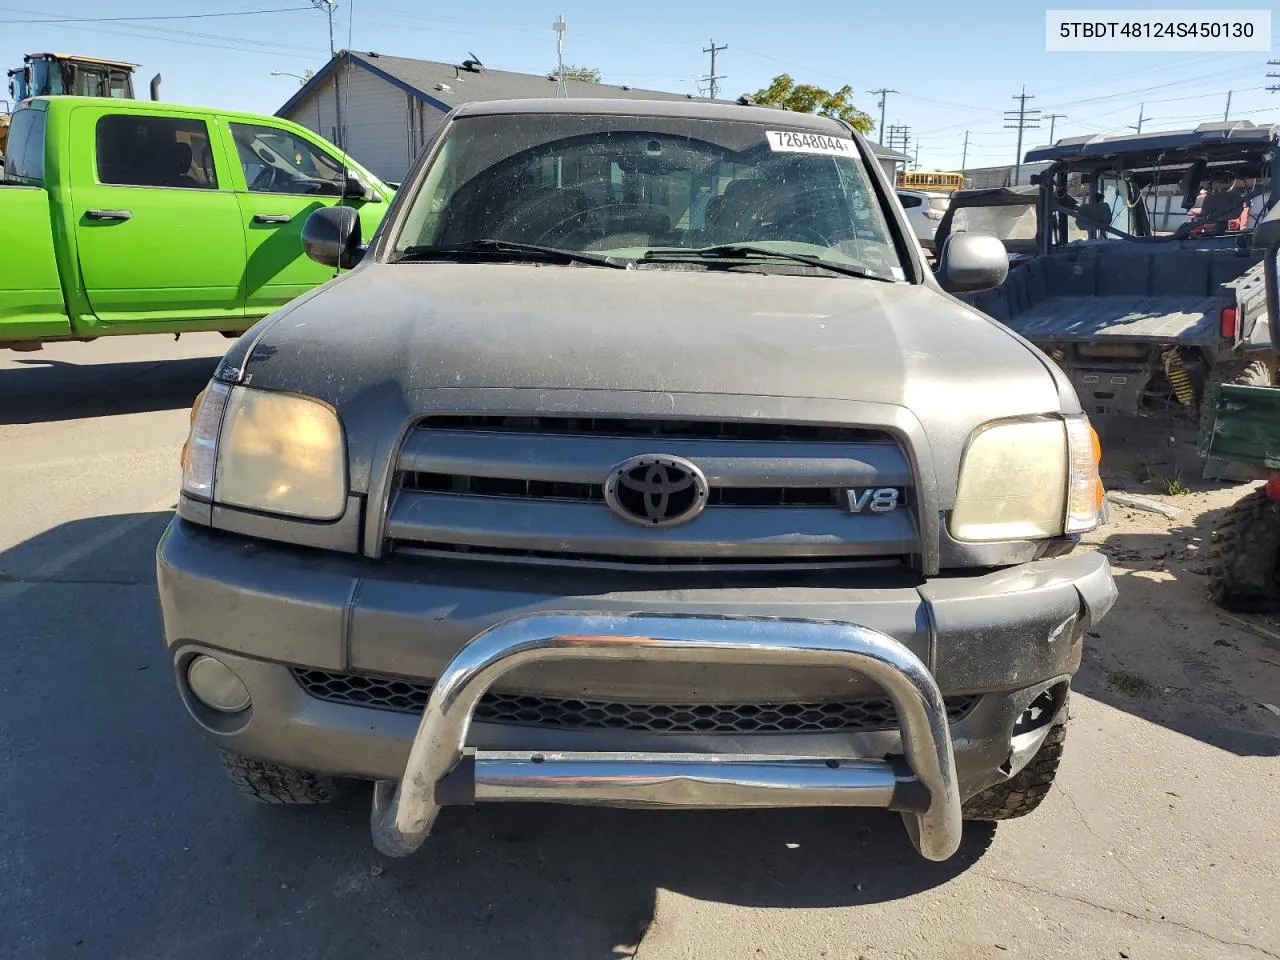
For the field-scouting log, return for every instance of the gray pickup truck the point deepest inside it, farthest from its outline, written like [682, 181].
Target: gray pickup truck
[638, 459]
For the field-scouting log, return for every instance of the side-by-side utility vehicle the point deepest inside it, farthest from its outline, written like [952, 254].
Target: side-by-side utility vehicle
[640, 459]
[1135, 269]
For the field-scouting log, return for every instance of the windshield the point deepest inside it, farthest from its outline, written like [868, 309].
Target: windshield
[1006, 222]
[45, 79]
[623, 186]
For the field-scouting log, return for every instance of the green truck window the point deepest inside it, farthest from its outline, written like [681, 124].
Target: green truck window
[146, 151]
[276, 161]
[25, 159]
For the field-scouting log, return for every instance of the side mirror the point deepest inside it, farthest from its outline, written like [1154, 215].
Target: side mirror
[356, 189]
[331, 236]
[972, 262]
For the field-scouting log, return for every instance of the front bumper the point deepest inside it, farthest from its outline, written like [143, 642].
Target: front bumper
[1007, 636]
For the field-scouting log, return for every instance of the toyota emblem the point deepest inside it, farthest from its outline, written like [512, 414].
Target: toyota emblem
[656, 491]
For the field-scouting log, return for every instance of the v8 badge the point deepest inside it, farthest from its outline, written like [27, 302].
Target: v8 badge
[874, 499]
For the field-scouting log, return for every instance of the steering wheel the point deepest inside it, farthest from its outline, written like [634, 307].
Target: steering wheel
[206, 165]
[265, 181]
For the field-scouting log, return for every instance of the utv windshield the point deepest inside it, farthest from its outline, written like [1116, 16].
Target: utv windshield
[653, 189]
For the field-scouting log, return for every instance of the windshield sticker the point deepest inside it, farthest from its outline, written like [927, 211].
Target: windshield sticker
[783, 141]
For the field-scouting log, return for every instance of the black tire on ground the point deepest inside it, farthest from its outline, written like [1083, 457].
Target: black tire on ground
[1021, 794]
[1242, 556]
[266, 782]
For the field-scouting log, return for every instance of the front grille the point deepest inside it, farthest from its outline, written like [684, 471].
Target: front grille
[410, 696]
[532, 488]
[750, 430]
[594, 492]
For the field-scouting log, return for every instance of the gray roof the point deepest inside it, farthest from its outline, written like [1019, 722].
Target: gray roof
[447, 86]
[884, 153]
[700, 109]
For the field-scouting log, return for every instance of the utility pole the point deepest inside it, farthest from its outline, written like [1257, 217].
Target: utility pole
[1226, 114]
[1274, 76]
[964, 155]
[883, 93]
[328, 6]
[1141, 116]
[558, 27]
[917, 159]
[1025, 120]
[899, 138]
[1053, 119]
[714, 77]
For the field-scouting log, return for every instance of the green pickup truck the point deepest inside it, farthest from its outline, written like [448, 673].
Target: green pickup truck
[121, 217]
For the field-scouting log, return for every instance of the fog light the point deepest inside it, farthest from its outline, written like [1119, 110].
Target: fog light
[216, 686]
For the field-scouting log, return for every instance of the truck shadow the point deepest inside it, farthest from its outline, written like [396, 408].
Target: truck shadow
[1167, 654]
[41, 391]
[114, 810]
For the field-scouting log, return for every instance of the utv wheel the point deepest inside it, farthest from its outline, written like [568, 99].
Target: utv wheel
[1242, 556]
[1245, 373]
[265, 782]
[1020, 795]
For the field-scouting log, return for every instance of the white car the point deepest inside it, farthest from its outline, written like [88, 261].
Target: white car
[924, 210]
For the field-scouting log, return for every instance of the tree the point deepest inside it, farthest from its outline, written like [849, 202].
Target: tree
[585, 74]
[804, 98]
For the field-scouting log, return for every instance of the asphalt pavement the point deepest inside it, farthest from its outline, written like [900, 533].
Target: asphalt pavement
[119, 838]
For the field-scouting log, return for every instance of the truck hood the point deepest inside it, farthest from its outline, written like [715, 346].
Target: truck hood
[432, 325]
[399, 331]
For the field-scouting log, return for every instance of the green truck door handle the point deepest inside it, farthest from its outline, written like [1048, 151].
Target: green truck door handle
[108, 214]
[271, 218]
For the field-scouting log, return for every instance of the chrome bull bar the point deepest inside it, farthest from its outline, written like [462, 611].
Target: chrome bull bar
[442, 771]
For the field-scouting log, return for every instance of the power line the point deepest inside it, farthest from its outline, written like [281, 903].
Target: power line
[1026, 120]
[883, 92]
[182, 16]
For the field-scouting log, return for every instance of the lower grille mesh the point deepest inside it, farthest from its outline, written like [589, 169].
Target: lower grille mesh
[410, 696]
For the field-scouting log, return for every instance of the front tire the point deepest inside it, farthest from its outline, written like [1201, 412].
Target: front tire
[1242, 556]
[1022, 793]
[264, 782]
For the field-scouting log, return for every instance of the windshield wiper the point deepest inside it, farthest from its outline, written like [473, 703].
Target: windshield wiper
[748, 251]
[508, 248]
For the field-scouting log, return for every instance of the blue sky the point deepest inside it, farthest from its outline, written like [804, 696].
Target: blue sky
[956, 65]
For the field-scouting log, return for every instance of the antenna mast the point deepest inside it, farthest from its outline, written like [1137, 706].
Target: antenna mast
[559, 27]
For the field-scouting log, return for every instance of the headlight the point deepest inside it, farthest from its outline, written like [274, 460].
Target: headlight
[1028, 479]
[274, 452]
